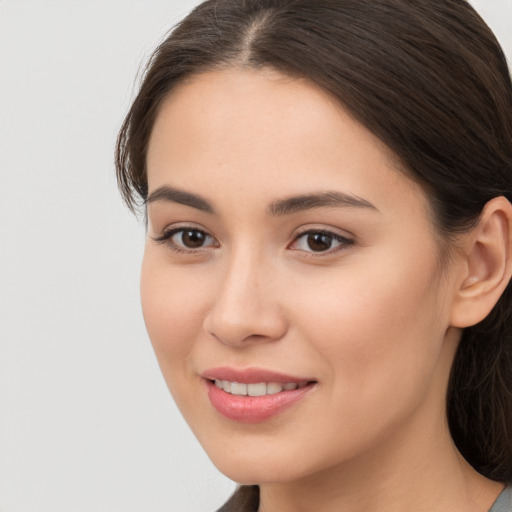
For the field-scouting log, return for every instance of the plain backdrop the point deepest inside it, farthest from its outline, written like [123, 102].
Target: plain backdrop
[86, 422]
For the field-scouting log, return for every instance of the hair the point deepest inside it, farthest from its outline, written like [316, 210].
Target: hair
[429, 79]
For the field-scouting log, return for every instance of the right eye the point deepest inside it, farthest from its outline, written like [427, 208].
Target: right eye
[187, 239]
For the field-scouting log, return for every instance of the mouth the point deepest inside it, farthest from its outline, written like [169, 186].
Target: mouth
[253, 396]
[257, 389]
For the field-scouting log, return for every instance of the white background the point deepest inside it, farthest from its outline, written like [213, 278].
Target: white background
[86, 422]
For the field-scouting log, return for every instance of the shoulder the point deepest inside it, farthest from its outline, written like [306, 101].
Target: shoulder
[503, 502]
[245, 499]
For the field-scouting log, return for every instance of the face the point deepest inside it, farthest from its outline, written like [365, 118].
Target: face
[291, 283]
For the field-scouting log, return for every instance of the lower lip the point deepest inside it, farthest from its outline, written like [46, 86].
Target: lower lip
[253, 409]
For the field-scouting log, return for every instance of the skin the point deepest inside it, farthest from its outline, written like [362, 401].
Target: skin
[370, 319]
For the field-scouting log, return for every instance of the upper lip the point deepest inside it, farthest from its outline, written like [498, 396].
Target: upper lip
[251, 375]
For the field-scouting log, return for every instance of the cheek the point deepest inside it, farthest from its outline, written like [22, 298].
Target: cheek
[172, 304]
[379, 331]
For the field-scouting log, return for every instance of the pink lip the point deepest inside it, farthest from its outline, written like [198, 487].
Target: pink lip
[249, 409]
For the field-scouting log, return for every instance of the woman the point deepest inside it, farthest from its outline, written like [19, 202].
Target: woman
[326, 280]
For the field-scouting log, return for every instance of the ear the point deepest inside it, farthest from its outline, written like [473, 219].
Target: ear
[487, 265]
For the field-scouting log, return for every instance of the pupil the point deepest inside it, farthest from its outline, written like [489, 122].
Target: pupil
[193, 239]
[319, 242]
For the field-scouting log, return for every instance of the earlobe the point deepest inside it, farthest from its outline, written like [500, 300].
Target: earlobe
[487, 265]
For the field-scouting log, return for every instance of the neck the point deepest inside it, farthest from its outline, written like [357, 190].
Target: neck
[411, 470]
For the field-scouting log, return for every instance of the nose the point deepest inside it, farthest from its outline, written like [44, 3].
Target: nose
[246, 307]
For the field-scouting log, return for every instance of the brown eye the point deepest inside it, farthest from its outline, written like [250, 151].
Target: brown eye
[320, 242]
[191, 238]
[187, 239]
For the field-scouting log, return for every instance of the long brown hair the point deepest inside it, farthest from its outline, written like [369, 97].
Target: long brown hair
[430, 80]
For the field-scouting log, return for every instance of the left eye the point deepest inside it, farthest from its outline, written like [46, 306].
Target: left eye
[319, 241]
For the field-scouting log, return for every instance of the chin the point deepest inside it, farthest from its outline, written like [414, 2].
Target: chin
[253, 463]
[249, 473]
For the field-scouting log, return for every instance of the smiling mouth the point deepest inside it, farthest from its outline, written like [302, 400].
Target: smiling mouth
[254, 402]
[257, 389]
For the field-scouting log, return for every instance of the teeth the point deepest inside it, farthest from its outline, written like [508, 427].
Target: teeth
[259, 389]
[274, 387]
[238, 389]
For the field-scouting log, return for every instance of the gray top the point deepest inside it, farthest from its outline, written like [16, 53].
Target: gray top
[503, 502]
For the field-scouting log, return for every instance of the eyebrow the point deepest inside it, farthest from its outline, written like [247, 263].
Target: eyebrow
[280, 207]
[329, 199]
[174, 195]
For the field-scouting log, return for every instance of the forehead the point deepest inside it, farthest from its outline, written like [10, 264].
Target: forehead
[259, 131]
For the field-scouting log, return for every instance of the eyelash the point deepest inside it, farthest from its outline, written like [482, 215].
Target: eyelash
[166, 238]
[343, 241]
